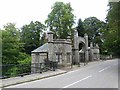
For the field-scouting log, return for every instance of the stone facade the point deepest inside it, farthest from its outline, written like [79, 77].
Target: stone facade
[61, 50]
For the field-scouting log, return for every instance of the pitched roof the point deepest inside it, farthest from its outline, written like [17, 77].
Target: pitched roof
[43, 48]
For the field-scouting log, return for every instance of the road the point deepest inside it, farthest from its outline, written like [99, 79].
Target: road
[101, 74]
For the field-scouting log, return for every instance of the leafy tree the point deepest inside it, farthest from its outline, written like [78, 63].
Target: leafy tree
[112, 40]
[31, 35]
[94, 27]
[61, 20]
[80, 28]
[11, 50]
[10, 44]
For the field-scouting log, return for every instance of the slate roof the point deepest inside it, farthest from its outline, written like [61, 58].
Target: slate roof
[43, 48]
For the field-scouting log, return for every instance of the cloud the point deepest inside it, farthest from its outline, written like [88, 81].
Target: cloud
[22, 12]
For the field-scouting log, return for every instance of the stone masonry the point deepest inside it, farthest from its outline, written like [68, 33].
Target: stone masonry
[61, 50]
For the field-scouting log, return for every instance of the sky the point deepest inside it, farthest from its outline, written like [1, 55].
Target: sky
[22, 12]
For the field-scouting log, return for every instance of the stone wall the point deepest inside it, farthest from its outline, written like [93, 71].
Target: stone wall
[61, 50]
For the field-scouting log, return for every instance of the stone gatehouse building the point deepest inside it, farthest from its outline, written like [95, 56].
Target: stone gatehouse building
[61, 50]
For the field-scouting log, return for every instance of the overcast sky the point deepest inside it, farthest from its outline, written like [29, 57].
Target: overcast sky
[22, 12]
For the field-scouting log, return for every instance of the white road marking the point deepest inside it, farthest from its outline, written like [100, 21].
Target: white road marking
[107, 67]
[77, 81]
[104, 69]
[101, 70]
[73, 71]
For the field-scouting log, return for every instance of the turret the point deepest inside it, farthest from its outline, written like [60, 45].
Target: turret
[86, 48]
[75, 39]
[86, 41]
[97, 46]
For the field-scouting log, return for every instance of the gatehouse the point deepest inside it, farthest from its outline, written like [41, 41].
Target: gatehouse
[61, 50]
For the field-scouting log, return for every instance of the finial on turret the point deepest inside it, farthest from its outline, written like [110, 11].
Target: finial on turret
[85, 34]
[91, 44]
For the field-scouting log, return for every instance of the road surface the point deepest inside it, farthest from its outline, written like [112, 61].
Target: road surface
[101, 74]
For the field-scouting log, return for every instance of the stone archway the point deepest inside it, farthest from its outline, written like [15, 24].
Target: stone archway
[82, 52]
[77, 41]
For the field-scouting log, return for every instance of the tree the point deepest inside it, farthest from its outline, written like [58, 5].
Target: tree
[31, 35]
[11, 50]
[80, 28]
[61, 20]
[10, 44]
[112, 40]
[93, 28]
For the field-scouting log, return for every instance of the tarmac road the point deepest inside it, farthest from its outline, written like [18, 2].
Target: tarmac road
[100, 74]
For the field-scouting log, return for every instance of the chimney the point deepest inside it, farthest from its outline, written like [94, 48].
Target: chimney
[50, 36]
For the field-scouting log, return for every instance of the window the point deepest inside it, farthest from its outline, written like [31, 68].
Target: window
[59, 57]
[68, 57]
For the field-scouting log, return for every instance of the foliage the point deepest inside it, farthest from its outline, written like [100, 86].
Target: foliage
[10, 44]
[112, 40]
[16, 43]
[94, 27]
[61, 20]
[24, 58]
[31, 36]
[80, 28]
[11, 49]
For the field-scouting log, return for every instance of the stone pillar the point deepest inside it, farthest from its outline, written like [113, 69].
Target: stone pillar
[76, 49]
[64, 60]
[75, 39]
[91, 51]
[50, 42]
[86, 48]
[98, 52]
[32, 63]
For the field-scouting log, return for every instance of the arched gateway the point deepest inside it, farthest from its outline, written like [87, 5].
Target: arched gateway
[61, 50]
[77, 41]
